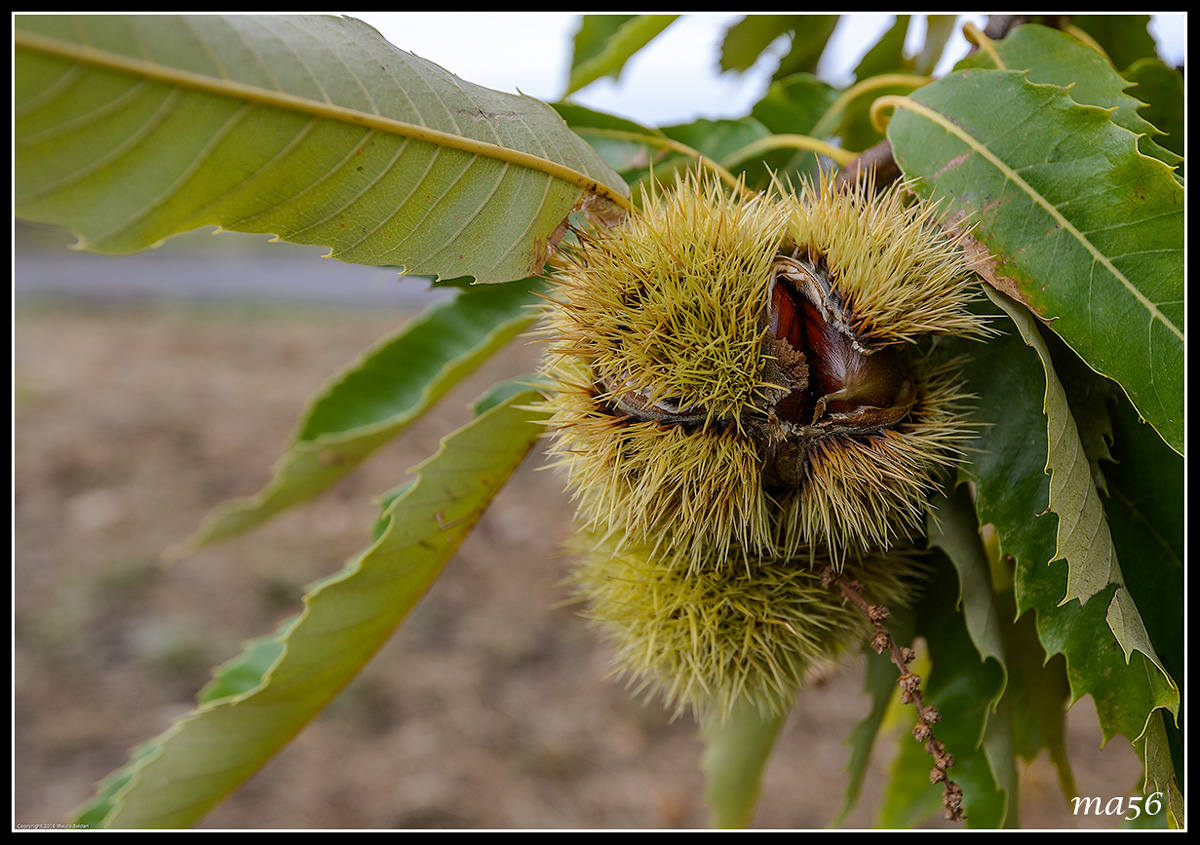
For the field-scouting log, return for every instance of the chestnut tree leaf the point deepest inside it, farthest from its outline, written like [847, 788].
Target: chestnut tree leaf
[736, 751]
[1053, 56]
[1007, 464]
[1085, 227]
[605, 43]
[130, 129]
[179, 776]
[1156, 755]
[887, 54]
[629, 147]
[794, 104]
[1123, 38]
[879, 686]
[1083, 538]
[747, 39]
[938, 29]
[1161, 89]
[952, 527]
[375, 399]
[799, 104]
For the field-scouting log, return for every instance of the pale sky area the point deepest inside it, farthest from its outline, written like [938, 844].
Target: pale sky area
[673, 80]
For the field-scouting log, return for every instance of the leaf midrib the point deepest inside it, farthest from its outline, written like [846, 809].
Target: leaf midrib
[331, 111]
[953, 128]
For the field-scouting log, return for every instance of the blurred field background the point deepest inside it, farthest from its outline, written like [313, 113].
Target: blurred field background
[149, 389]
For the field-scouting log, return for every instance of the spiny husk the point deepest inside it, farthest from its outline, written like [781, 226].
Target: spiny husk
[869, 491]
[649, 481]
[708, 639]
[657, 484]
[902, 276]
[668, 305]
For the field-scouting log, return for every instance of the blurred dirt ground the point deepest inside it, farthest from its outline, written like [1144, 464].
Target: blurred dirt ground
[491, 707]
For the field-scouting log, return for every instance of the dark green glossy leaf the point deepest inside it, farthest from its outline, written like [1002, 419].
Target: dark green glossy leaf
[1125, 38]
[1055, 57]
[1080, 225]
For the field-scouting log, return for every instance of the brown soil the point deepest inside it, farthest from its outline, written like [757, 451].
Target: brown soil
[491, 708]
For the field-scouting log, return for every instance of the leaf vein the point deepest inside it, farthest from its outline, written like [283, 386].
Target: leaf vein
[973, 143]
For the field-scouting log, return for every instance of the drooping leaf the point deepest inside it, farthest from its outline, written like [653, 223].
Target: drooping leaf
[952, 527]
[198, 761]
[1090, 396]
[746, 40]
[1146, 514]
[809, 39]
[1160, 780]
[736, 751]
[1028, 713]
[888, 52]
[938, 29]
[1083, 538]
[375, 399]
[1007, 465]
[1039, 694]
[749, 38]
[1082, 227]
[130, 129]
[605, 43]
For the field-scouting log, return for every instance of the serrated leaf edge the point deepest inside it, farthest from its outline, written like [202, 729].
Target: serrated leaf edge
[279, 99]
[957, 131]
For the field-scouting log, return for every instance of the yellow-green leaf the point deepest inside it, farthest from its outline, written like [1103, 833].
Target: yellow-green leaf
[375, 399]
[130, 129]
[182, 774]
